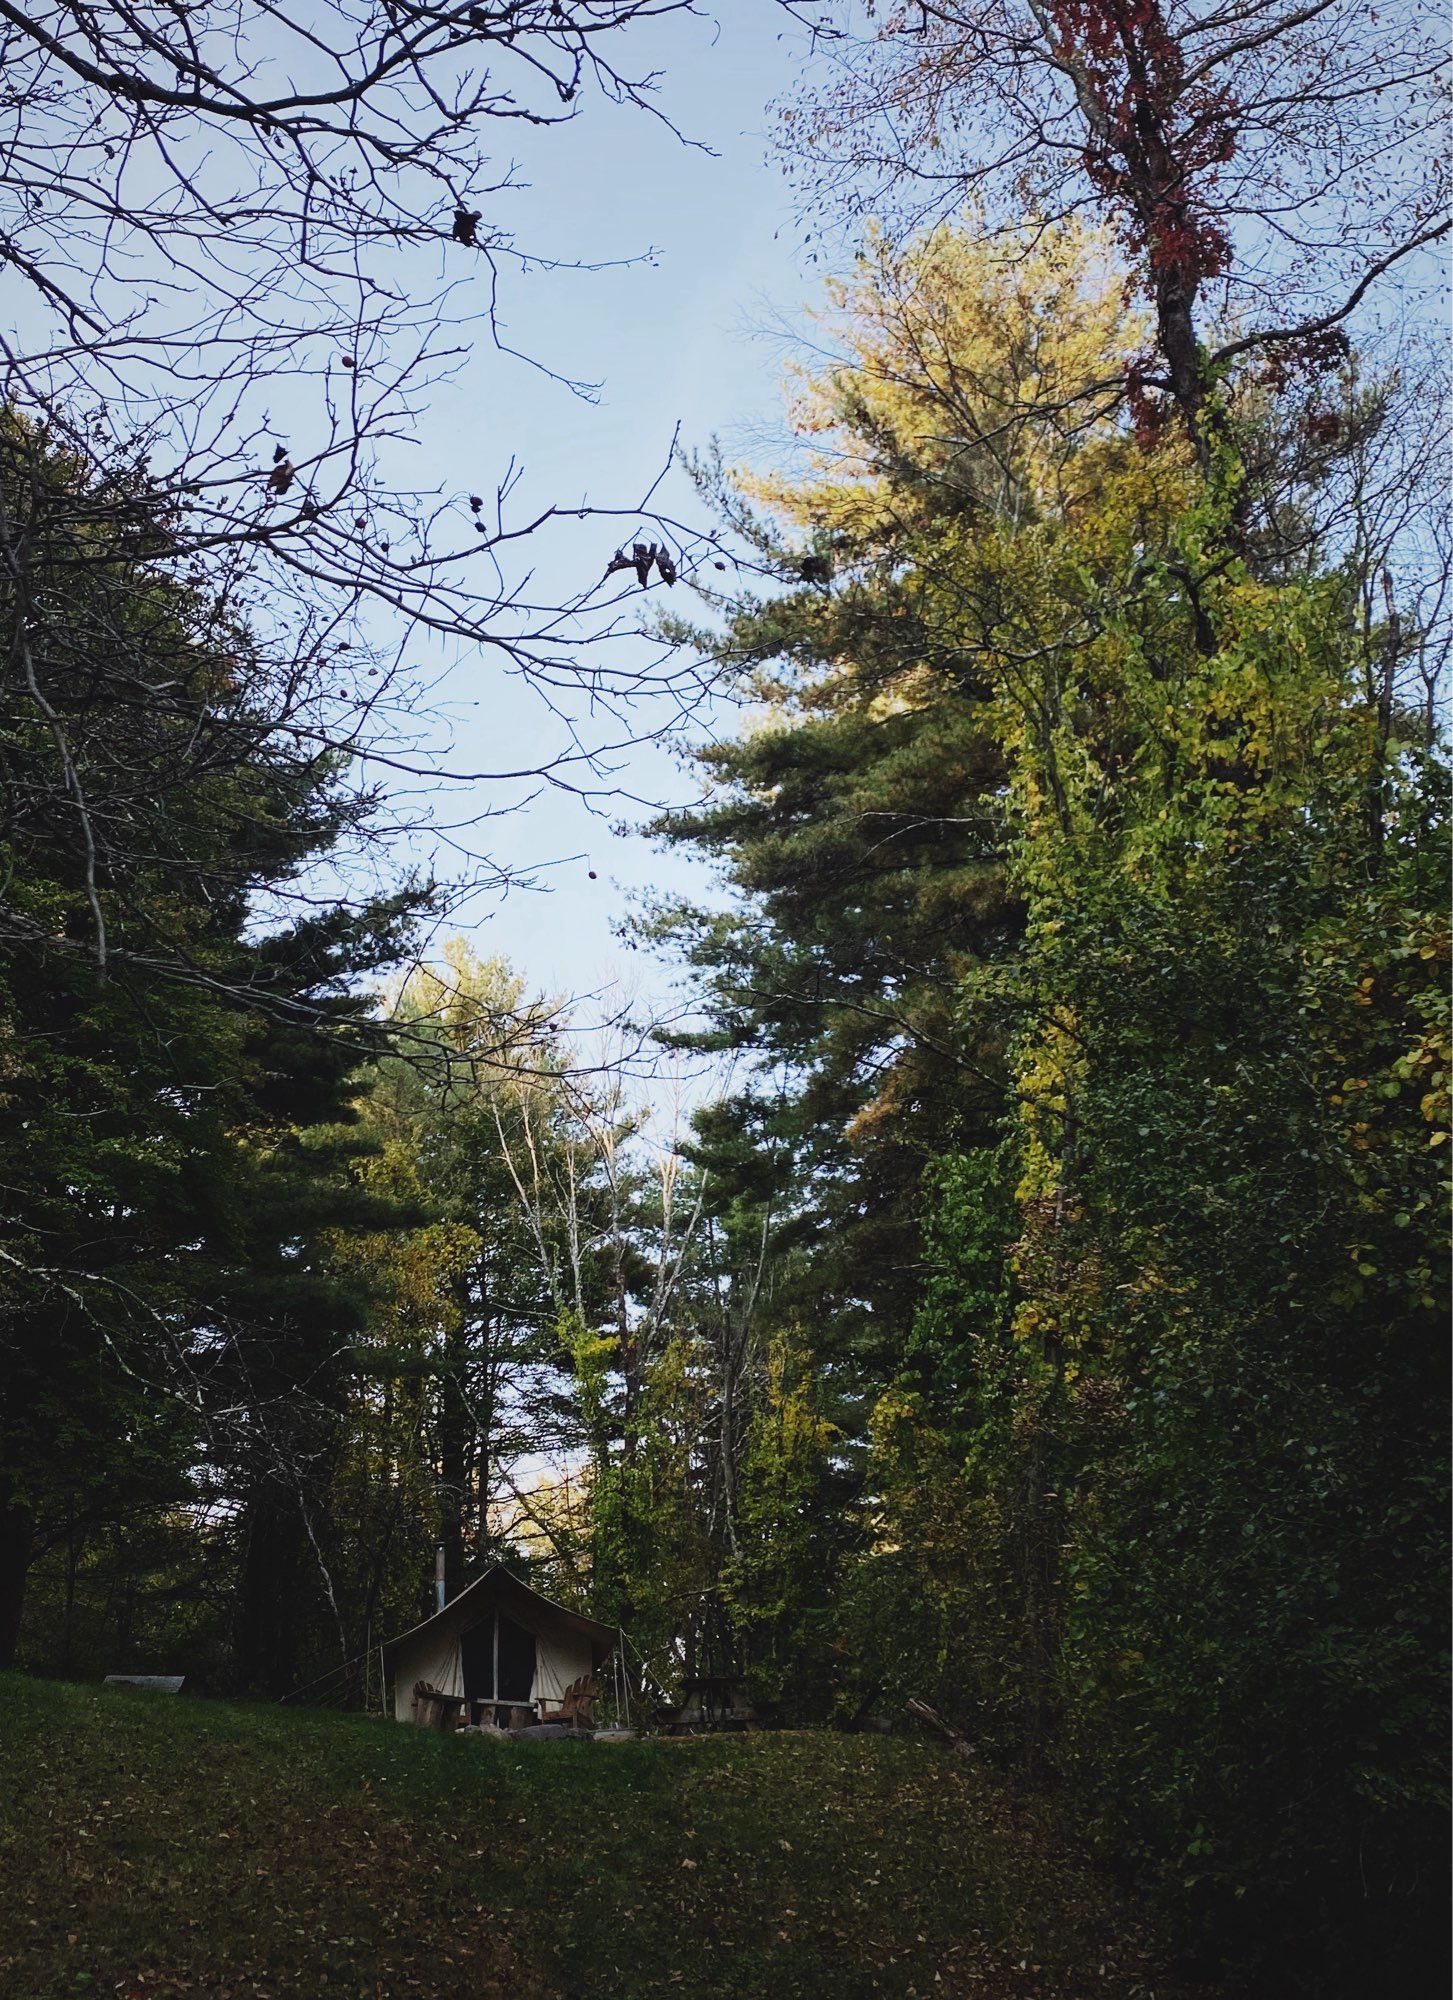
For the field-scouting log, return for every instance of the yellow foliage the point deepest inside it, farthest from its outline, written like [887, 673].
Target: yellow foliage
[963, 358]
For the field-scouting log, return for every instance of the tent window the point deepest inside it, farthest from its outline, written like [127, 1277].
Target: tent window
[498, 1660]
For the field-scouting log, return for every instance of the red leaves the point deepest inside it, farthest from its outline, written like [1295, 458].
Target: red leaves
[1311, 355]
[1150, 414]
[1155, 141]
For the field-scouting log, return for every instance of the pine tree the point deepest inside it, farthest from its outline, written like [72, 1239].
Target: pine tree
[165, 1049]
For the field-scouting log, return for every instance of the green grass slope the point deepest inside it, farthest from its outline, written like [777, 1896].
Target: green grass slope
[154, 1846]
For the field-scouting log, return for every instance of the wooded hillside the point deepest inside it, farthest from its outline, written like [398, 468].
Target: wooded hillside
[1013, 1274]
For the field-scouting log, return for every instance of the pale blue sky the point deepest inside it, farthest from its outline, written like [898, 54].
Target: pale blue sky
[674, 341]
[703, 253]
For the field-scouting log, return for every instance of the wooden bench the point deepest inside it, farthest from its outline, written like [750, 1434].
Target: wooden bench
[433, 1710]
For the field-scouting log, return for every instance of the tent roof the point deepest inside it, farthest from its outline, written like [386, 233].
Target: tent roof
[497, 1584]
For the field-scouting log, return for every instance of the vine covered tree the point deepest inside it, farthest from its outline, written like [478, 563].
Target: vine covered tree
[1263, 166]
[1154, 1412]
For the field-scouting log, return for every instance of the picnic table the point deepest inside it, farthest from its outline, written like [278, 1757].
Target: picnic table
[712, 1701]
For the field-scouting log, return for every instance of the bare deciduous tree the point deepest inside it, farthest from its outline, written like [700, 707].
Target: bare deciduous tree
[238, 247]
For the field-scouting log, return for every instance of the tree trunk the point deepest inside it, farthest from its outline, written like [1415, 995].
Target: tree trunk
[1043, 1504]
[1176, 332]
[17, 1541]
[73, 1557]
[270, 1604]
[456, 1441]
[1385, 686]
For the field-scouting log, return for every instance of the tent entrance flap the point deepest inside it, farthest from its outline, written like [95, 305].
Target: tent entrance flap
[476, 1660]
[515, 1662]
[497, 1658]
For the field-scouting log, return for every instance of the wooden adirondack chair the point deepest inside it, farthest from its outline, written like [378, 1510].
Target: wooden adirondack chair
[576, 1706]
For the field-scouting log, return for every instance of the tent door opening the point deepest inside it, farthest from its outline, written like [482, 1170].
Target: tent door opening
[497, 1658]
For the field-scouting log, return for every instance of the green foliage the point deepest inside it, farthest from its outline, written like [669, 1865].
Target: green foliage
[1153, 1473]
[932, 1607]
[959, 1355]
[1256, 1544]
[656, 1559]
[861, 820]
[788, 1538]
[174, 1080]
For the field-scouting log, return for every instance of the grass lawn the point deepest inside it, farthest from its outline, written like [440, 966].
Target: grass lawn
[152, 1845]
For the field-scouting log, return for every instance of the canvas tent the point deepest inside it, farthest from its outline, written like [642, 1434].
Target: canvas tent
[498, 1641]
